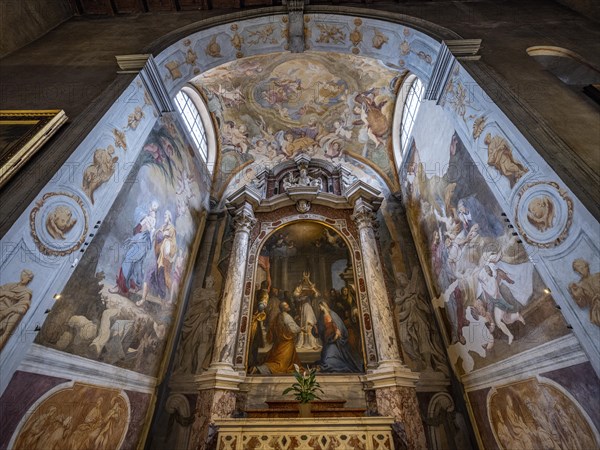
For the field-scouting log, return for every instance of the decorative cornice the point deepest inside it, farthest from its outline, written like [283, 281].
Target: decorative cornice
[441, 72]
[557, 354]
[247, 194]
[360, 189]
[145, 65]
[155, 86]
[47, 361]
[132, 63]
[464, 49]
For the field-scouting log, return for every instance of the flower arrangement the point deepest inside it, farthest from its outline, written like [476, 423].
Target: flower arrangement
[306, 387]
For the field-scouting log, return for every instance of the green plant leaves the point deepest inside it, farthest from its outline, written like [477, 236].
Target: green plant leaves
[307, 387]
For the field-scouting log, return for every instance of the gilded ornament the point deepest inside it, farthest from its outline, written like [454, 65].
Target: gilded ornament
[213, 49]
[120, 139]
[60, 221]
[544, 214]
[425, 57]
[99, 172]
[263, 35]
[236, 41]
[330, 34]
[173, 67]
[478, 126]
[379, 39]
[356, 37]
[540, 212]
[57, 223]
[134, 119]
[405, 48]
[191, 57]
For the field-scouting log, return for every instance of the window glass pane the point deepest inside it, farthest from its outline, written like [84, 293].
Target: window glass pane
[191, 118]
[411, 106]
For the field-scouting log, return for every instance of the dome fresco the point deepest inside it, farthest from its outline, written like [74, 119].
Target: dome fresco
[269, 108]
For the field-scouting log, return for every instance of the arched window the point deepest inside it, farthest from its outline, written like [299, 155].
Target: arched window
[407, 105]
[197, 121]
[570, 68]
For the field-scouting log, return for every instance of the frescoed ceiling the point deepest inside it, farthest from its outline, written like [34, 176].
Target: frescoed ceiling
[328, 105]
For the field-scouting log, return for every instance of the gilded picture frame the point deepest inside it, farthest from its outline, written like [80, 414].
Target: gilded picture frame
[22, 133]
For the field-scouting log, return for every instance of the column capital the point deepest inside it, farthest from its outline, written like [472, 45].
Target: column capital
[243, 218]
[364, 215]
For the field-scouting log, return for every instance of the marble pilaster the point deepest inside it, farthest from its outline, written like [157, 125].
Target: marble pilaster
[211, 404]
[393, 393]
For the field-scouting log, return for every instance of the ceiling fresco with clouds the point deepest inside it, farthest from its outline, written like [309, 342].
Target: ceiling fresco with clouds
[270, 107]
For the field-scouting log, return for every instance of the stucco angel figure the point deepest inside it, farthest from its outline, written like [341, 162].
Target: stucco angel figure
[289, 181]
[586, 291]
[501, 158]
[60, 221]
[15, 299]
[416, 336]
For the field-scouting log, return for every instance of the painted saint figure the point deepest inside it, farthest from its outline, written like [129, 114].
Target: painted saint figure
[165, 249]
[283, 332]
[307, 320]
[489, 285]
[336, 355]
[131, 273]
[15, 299]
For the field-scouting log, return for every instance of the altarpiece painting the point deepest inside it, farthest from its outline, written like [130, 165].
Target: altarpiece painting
[305, 310]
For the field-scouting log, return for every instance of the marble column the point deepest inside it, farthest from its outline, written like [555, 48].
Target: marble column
[226, 336]
[393, 384]
[382, 316]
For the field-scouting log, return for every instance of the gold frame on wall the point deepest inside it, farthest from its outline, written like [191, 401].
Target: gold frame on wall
[34, 128]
